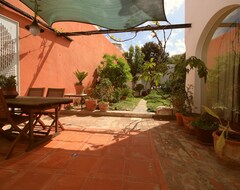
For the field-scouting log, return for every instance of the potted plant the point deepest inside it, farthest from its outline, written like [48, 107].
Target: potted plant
[182, 97]
[226, 141]
[103, 91]
[188, 115]
[80, 77]
[204, 126]
[8, 86]
[91, 104]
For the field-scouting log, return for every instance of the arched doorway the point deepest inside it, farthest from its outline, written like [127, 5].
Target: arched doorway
[222, 90]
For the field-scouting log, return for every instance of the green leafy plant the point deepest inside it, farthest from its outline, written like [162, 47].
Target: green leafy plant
[178, 80]
[7, 81]
[104, 90]
[80, 76]
[206, 122]
[115, 69]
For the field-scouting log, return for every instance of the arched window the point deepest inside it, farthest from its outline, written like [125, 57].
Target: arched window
[223, 61]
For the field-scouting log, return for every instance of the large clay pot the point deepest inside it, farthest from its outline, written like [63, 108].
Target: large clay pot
[91, 104]
[230, 151]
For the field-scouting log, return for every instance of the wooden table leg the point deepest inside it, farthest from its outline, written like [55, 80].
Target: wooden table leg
[31, 137]
[56, 119]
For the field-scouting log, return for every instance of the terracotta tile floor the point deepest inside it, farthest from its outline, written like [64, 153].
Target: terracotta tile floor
[117, 153]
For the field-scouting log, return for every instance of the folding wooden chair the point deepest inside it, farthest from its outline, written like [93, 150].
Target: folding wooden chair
[52, 92]
[7, 118]
[38, 92]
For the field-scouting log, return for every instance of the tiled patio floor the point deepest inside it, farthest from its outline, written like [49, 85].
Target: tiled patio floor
[117, 153]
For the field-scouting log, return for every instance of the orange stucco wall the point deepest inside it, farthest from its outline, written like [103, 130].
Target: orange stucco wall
[49, 61]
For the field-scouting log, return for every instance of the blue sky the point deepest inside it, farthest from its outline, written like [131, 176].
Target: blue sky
[174, 10]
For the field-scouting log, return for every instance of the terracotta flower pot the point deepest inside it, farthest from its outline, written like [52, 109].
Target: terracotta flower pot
[79, 89]
[187, 123]
[179, 119]
[91, 104]
[103, 106]
[230, 151]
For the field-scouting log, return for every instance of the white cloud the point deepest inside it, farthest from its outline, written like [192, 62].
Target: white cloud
[172, 6]
[175, 33]
[176, 47]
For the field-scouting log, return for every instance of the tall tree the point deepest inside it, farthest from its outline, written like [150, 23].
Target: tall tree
[135, 59]
[155, 65]
[152, 50]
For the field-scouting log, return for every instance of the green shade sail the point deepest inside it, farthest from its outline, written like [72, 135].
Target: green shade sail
[111, 14]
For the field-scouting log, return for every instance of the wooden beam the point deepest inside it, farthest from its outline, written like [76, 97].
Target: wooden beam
[136, 29]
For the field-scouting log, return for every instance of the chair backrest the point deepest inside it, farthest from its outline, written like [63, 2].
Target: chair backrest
[4, 112]
[55, 92]
[38, 92]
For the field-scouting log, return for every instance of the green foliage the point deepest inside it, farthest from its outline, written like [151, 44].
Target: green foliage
[135, 59]
[80, 76]
[155, 99]
[139, 87]
[151, 50]
[103, 90]
[178, 79]
[125, 105]
[7, 81]
[155, 65]
[151, 74]
[126, 92]
[121, 93]
[197, 63]
[206, 122]
[115, 69]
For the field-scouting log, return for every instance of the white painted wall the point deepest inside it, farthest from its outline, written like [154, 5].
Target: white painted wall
[205, 15]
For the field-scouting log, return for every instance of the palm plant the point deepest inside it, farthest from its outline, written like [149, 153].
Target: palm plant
[80, 76]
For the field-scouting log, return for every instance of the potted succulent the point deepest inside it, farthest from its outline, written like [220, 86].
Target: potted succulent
[204, 126]
[103, 91]
[8, 86]
[80, 77]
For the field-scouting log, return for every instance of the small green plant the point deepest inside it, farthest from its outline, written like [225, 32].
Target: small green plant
[7, 81]
[125, 92]
[80, 76]
[206, 122]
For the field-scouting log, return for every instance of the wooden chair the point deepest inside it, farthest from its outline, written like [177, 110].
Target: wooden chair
[38, 92]
[52, 92]
[7, 118]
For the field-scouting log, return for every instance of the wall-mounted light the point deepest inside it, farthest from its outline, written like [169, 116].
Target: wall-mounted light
[34, 28]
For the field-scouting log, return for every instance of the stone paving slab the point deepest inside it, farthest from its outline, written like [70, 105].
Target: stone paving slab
[122, 153]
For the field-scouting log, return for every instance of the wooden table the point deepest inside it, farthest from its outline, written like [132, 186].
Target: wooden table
[35, 105]
[82, 96]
